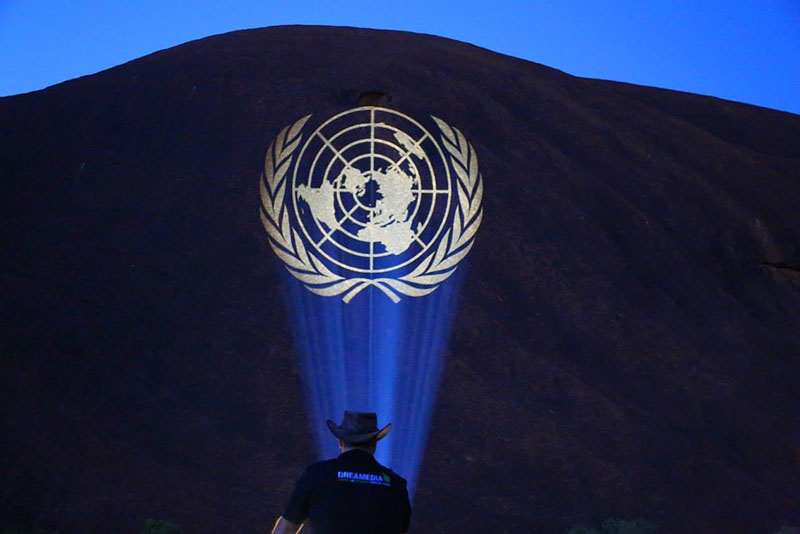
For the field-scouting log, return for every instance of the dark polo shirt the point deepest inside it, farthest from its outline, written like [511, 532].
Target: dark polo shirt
[351, 494]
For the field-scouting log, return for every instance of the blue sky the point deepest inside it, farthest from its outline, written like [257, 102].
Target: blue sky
[748, 51]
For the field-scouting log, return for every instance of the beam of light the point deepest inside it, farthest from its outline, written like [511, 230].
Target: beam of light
[374, 355]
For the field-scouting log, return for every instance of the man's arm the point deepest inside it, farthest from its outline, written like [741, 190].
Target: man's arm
[284, 526]
[299, 503]
[406, 509]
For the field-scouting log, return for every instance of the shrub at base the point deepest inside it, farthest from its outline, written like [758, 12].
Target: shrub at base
[159, 526]
[616, 525]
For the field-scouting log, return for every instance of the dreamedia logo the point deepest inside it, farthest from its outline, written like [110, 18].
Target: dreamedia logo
[365, 478]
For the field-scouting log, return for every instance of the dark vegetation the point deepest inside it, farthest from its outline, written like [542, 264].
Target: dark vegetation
[616, 525]
[160, 526]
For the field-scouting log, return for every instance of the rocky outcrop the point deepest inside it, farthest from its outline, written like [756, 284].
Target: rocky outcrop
[625, 344]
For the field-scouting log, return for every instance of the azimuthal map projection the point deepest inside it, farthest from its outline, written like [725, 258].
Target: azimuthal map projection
[371, 197]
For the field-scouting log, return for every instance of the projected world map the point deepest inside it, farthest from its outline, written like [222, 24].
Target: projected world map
[384, 195]
[374, 195]
[371, 198]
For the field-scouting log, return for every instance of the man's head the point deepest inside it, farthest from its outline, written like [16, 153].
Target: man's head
[359, 430]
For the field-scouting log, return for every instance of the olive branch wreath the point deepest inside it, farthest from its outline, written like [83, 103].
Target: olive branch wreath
[312, 272]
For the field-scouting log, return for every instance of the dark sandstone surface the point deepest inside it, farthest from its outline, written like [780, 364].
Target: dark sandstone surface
[628, 341]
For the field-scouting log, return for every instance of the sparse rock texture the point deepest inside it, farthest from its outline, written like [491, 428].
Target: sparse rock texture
[628, 341]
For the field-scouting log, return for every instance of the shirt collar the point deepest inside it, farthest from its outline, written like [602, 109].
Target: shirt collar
[352, 453]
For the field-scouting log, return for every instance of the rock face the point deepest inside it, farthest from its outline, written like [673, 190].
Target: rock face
[628, 341]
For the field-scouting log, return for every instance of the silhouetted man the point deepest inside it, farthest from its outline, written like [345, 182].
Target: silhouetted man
[350, 494]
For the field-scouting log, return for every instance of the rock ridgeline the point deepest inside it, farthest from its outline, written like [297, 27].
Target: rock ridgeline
[627, 342]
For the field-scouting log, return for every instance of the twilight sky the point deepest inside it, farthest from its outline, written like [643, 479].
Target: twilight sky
[743, 50]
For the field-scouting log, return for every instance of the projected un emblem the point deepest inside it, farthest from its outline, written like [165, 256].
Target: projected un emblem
[371, 197]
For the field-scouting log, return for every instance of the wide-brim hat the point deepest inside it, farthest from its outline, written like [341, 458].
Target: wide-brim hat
[358, 427]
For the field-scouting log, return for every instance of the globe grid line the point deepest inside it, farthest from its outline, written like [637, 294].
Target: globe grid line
[432, 267]
[372, 140]
[331, 231]
[336, 153]
[372, 172]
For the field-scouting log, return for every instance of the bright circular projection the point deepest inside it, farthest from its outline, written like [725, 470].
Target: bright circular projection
[367, 195]
[371, 197]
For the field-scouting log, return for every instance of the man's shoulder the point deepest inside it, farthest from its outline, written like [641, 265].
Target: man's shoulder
[318, 469]
[390, 475]
[321, 466]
